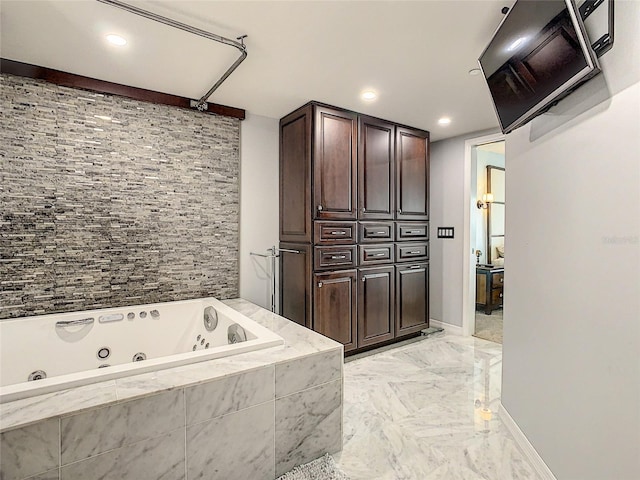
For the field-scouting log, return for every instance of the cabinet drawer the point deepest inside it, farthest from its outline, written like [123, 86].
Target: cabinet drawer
[335, 233]
[371, 232]
[496, 296]
[497, 279]
[375, 254]
[412, 231]
[334, 257]
[407, 252]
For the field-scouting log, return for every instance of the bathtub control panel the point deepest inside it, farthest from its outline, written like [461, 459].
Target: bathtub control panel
[113, 317]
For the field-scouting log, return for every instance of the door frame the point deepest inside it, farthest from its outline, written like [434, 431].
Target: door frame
[468, 257]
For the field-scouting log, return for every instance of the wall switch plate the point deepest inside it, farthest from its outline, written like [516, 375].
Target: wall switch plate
[445, 232]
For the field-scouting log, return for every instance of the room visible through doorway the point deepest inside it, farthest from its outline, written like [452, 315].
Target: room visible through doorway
[488, 185]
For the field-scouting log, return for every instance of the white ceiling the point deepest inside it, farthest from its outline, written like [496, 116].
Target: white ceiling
[416, 54]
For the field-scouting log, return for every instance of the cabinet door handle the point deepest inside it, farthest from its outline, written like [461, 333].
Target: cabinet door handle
[414, 252]
[338, 232]
[378, 255]
[338, 257]
[319, 284]
[380, 233]
[411, 232]
[319, 207]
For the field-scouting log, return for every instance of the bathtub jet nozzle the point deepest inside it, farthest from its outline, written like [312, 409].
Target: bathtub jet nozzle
[210, 319]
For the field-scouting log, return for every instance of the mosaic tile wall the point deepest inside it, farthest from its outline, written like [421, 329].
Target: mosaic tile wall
[107, 201]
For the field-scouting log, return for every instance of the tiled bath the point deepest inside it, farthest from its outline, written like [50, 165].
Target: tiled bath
[253, 416]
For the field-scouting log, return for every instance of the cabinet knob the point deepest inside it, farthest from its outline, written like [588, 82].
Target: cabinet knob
[364, 279]
[501, 279]
[501, 295]
[319, 207]
[319, 284]
[364, 209]
[399, 210]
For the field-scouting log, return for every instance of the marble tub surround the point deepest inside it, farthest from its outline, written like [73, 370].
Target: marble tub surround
[219, 448]
[428, 411]
[30, 450]
[307, 428]
[140, 423]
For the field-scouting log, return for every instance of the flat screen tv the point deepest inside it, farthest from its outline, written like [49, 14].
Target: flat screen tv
[539, 53]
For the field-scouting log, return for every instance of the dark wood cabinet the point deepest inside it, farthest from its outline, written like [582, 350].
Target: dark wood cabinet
[332, 257]
[412, 231]
[412, 174]
[295, 282]
[334, 306]
[335, 164]
[335, 233]
[375, 254]
[376, 183]
[354, 200]
[412, 298]
[375, 232]
[376, 294]
[412, 252]
[489, 288]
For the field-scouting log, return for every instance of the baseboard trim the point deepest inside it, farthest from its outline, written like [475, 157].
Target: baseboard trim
[450, 329]
[523, 442]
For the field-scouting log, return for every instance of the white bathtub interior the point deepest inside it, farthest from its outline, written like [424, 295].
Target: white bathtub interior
[85, 347]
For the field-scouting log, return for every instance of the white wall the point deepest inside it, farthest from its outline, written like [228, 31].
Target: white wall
[446, 209]
[258, 204]
[571, 364]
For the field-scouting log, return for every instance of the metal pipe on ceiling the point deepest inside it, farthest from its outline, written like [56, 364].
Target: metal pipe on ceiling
[200, 104]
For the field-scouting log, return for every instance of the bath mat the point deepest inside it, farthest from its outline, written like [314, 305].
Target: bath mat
[323, 468]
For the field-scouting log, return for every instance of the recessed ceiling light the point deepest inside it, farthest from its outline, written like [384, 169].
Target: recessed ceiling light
[369, 95]
[444, 121]
[474, 71]
[116, 40]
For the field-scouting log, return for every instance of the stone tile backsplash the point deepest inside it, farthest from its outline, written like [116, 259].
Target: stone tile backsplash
[107, 201]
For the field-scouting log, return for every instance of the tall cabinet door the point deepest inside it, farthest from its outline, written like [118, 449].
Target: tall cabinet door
[376, 169]
[412, 298]
[375, 305]
[412, 174]
[334, 306]
[295, 176]
[334, 164]
[295, 282]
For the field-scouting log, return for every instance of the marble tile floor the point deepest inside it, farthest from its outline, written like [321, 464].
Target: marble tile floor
[427, 410]
[489, 327]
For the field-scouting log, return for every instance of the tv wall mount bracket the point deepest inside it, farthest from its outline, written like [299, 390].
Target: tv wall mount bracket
[605, 42]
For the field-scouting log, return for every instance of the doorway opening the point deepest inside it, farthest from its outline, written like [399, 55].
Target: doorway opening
[483, 242]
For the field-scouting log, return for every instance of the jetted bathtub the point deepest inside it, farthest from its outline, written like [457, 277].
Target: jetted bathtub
[46, 353]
